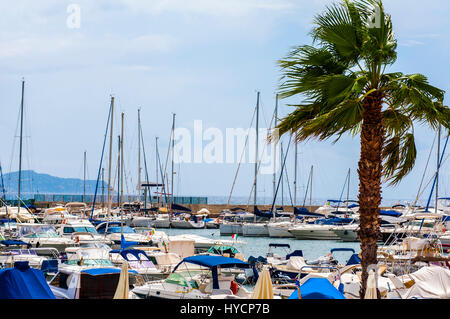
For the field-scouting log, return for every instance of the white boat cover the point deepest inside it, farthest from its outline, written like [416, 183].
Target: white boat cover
[431, 282]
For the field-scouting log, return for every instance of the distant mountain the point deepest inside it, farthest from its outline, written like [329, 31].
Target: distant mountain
[34, 183]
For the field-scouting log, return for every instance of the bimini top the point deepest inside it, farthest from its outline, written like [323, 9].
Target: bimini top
[214, 261]
[23, 282]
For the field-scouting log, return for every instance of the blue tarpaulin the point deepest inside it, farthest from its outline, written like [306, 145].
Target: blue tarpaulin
[23, 282]
[317, 288]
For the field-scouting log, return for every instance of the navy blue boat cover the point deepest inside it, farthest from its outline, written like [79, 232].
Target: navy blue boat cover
[23, 282]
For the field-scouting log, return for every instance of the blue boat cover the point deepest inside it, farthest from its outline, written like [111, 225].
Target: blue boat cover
[125, 244]
[305, 212]
[354, 260]
[23, 282]
[11, 242]
[317, 288]
[104, 271]
[213, 261]
[390, 213]
[296, 252]
[49, 265]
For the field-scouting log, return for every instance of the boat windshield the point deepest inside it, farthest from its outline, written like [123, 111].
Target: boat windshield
[182, 279]
[81, 229]
[91, 262]
[41, 231]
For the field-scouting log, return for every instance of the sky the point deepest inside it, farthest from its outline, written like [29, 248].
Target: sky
[200, 59]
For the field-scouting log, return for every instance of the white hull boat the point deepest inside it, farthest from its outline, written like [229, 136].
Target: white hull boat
[280, 229]
[320, 232]
[230, 228]
[255, 230]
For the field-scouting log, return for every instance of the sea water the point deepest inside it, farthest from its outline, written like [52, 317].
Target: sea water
[259, 246]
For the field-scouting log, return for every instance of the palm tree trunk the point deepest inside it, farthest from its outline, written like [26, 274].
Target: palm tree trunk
[369, 171]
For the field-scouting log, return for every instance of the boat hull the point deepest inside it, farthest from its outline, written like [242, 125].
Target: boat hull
[255, 230]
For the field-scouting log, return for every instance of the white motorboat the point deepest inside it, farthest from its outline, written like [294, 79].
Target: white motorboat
[20, 214]
[197, 277]
[113, 231]
[139, 261]
[188, 221]
[57, 215]
[41, 235]
[87, 274]
[81, 231]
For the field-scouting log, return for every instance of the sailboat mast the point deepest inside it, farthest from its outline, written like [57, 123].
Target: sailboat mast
[119, 169]
[437, 168]
[282, 178]
[256, 148]
[275, 148]
[348, 187]
[84, 176]
[295, 174]
[121, 160]
[103, 188]
[310, 188]
[139, 156]
[110, 155]
[173, 145]
[20, 146]
[156, 163]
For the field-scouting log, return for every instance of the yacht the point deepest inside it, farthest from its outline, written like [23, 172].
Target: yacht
[42, 235]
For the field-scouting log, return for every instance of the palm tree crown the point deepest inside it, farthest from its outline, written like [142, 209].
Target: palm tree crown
[345, 88]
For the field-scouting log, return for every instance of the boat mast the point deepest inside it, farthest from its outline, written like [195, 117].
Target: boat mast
[139, 156]
[156, 162]
[119, 156]
[282, 178]
[348, 187]
[437, 168]
[275, 149]
[121, 160]
[256, 150]
[295, 173]
[84, 177]
[310, 188]
[103, 188]
[121, 174]
[173, 144]
[110, 156]
[20, 146]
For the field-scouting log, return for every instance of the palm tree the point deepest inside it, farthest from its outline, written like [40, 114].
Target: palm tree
[345, 88]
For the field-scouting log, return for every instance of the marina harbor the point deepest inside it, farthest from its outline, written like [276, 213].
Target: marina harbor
[224, 158]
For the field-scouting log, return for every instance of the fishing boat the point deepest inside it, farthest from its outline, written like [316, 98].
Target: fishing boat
[197, 277]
